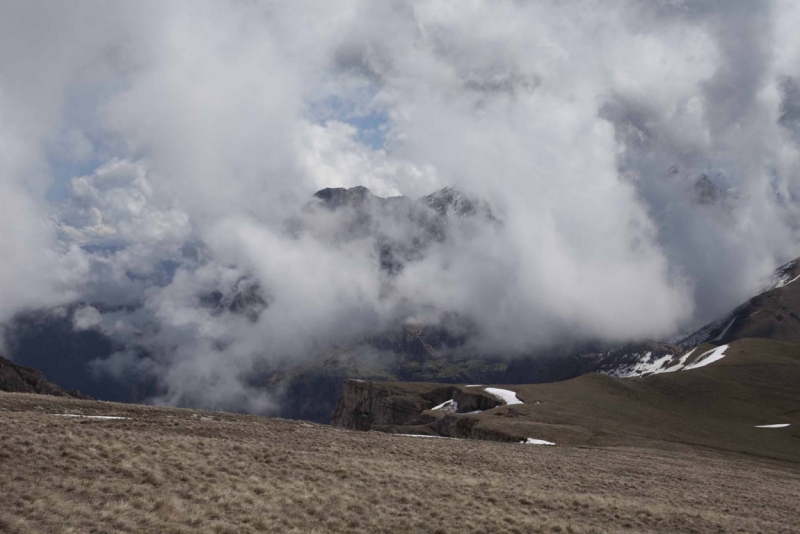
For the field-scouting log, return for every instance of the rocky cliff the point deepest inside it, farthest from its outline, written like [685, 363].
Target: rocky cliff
[386, 406]
[364, 405]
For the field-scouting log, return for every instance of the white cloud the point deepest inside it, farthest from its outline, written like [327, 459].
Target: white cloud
[86, 317]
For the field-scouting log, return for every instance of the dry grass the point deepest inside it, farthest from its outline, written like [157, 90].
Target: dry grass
[181, 471]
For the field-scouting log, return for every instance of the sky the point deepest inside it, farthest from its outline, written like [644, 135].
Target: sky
[640, 159]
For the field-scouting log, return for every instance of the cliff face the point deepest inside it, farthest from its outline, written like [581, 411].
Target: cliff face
[17, 379]
[471, 400]
[387, 406]
[469, 427]
[364, 405]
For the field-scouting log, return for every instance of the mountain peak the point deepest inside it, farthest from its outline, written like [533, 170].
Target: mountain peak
[334, 197]
[449, 200]
[707, 192]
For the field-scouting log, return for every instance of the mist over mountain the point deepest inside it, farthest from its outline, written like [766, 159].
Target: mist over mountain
[196, 198]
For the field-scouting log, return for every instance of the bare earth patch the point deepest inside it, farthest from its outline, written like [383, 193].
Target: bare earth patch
[173, 470]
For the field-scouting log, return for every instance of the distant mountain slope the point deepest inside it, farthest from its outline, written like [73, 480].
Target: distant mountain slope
[773, 314]
[18, 379]
[719, 403]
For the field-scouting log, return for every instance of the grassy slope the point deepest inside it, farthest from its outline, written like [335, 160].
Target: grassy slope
[715, 406]
[173, 470]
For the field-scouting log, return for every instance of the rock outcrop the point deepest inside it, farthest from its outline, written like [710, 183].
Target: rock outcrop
[365, 405]
[17, 379]
[406, 407]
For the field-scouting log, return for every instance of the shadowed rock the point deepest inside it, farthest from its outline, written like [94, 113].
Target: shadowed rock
[18, 379]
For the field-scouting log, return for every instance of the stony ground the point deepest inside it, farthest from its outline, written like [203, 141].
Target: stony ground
[171, 470]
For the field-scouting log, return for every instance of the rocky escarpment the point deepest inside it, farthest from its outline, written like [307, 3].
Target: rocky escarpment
[364, 405]
[405, 407]
[17, 379]
[470, 427]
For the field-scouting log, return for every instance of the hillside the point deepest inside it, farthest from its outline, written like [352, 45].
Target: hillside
[716, 405]
[146, 469]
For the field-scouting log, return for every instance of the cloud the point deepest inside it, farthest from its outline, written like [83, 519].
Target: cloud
[86, 317]
[640, 161]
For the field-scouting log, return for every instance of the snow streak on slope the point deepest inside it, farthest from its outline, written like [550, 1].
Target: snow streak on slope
[725, 330]
[708, 357]
[678, 366]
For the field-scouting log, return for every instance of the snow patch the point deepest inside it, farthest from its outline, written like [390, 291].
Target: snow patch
[708, 357]
[532, 441]
[780, 425]
[447, 404]
[646, 367]
[784, 284]
[678, 366]
[422, 436]
[507, 396]
[88, 416]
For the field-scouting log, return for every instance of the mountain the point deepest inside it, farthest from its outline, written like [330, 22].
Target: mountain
[449, 201]
[402, 230]
[707, 192]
